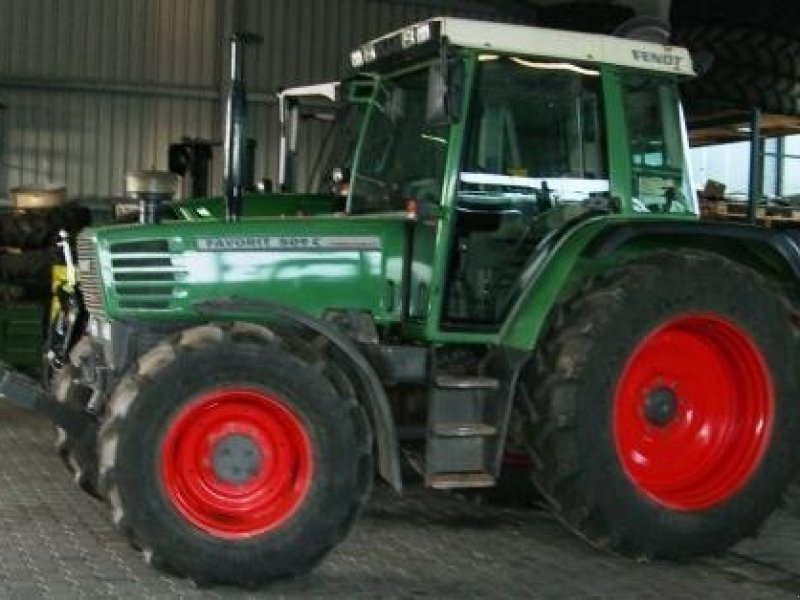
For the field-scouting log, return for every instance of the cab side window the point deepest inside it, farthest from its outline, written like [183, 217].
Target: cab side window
[660, 177]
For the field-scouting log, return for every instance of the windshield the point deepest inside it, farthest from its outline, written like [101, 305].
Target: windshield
[402, 155]
[337, 148]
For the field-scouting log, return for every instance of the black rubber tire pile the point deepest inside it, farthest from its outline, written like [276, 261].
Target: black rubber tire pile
[749, 67]
[28, 249]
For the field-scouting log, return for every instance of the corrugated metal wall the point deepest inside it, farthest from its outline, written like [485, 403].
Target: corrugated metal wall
[95, 87]
[98, 87]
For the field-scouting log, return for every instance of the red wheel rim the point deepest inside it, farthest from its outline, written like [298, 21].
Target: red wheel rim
[236, 462]
[693, 412]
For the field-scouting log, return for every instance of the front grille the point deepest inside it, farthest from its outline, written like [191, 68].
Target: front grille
[145, 276]
[89, 277]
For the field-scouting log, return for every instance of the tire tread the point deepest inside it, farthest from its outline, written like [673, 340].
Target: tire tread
[203, 337]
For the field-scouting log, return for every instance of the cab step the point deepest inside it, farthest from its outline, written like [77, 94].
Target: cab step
[466, 383]
[461, 436]
[464, 429]
[451, 481]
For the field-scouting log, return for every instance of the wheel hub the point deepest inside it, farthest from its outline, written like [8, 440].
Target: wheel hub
[660, 406]
[236, 462]
[236, 459]
[697, 450]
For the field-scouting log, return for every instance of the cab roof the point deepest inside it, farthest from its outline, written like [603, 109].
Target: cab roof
[503, 38]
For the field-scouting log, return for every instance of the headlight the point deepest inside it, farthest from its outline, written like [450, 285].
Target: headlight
[422, 33]
[94, 327]
[100, 329]
[408, 38]
[357, 59]
[105, 330]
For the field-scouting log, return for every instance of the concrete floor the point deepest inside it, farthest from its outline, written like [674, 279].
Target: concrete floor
[56, 542]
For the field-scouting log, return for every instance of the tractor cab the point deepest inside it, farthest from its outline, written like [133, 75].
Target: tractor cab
[497, 137]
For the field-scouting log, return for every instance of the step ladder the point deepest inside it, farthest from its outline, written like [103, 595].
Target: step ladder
[462, 432]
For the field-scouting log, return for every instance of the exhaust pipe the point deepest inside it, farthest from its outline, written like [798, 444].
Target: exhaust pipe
[235, 127]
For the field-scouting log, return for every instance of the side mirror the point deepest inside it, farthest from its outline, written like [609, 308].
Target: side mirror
[340, 181]
[445, 90]
[340, 175]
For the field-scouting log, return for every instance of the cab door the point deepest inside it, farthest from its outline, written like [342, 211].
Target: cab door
[534, 160]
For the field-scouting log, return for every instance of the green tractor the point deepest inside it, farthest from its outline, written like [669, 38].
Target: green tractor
[512, 258]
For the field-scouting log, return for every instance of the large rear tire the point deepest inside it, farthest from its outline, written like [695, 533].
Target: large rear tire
[229, 459]
[753, 49]
[744, 87]
[663, 416]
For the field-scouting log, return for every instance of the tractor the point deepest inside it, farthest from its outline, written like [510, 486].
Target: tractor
[511, 257]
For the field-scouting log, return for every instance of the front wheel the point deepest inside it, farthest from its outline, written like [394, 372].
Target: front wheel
[666, 410]
[79, 455]
[228, 459]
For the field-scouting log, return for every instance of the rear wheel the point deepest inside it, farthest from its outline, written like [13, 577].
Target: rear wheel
[228, 459]
[664, 417]
[694, 409]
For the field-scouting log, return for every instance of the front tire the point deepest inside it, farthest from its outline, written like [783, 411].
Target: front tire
[229, 460]
[664, 415]
[78, 455]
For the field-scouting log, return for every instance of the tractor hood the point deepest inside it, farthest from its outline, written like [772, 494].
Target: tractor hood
[260, 205]
[161, 272]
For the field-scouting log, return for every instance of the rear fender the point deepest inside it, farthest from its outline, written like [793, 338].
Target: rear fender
[593, 245]
[774, 252]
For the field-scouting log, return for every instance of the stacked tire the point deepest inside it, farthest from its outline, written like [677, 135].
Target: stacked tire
[28, 249]
[749, 67]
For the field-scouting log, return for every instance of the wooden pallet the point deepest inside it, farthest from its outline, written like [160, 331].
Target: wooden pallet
[737, 211]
